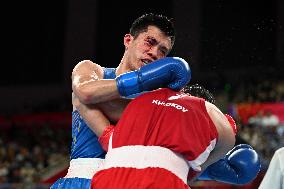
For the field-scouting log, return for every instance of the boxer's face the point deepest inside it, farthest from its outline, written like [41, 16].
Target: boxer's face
[147, 47]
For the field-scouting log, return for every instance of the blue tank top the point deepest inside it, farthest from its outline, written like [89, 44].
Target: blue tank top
[85, 143]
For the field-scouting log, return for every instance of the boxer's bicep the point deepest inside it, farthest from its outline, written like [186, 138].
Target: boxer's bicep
[89, 86]
[86, 71]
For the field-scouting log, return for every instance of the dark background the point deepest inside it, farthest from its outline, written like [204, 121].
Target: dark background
[226, 42]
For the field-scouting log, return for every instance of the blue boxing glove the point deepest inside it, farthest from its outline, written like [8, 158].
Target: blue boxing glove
[240, 166]
[171, 72]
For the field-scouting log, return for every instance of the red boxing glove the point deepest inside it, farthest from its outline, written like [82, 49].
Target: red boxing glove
[232, 123]
[104, 138]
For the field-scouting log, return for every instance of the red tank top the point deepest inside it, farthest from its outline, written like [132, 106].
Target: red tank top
[168, 119]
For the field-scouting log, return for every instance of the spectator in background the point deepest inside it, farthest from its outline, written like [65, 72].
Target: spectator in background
[269, 119]
[256, 120]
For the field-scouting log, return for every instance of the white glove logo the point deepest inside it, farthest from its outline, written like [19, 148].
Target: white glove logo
[177, 96]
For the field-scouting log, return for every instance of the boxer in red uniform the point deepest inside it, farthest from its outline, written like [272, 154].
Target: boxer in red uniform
[161, 137]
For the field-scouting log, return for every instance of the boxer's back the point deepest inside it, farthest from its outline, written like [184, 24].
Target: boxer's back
[168, 119]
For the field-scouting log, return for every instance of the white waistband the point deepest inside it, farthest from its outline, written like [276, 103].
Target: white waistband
[83, 167]
[147, 156]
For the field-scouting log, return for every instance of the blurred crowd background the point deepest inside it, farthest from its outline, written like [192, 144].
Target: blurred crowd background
[235, 48]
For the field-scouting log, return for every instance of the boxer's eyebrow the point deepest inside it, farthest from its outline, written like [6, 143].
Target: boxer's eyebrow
[154, 41]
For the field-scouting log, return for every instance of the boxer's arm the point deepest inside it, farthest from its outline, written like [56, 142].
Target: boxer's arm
[239, 166]
[113, 109]
[89, 86]
[96, 121]
[225, 142]
[226, 135]
[92, 115]
[171, 72]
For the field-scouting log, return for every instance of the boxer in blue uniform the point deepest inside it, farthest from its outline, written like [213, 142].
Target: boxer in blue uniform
[150, 39]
